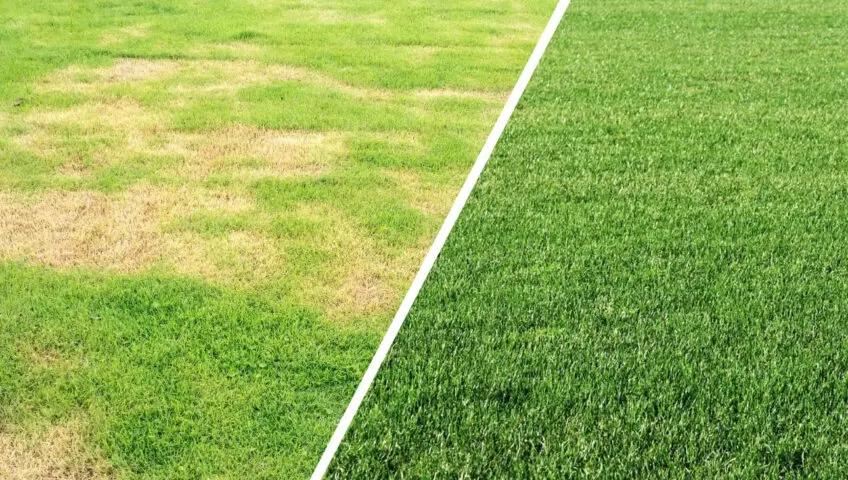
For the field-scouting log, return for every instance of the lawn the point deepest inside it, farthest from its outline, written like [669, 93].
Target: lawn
[650, 279]
[210, 210]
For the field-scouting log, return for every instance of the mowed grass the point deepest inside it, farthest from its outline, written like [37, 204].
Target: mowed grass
[209, 212]
[650, 278]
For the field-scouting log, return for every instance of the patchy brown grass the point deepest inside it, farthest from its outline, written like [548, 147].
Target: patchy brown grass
[431, 200]
[120, 232]
[492, 97]
[223, 74]
[227, 76]
[134, 130]
[361, 278]
[239, 258]
[281, 154]
[57, 452]
[139, 228]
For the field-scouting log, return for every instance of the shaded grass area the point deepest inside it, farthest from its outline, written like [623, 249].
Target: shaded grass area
[649, 280]
[210, 210]
[173, 378]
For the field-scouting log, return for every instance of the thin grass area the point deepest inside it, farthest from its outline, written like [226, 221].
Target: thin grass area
[649, 279]
[210, 210]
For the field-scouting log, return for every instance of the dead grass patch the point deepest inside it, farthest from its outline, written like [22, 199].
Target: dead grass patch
[216, 76]
[372, 282]
[280, 153]
[56, 452]
[361, 278]
[222, 74]
[119, 232]
[492, 97]
[133, 230]
[240, 259]
[431, 200]
[136, 131]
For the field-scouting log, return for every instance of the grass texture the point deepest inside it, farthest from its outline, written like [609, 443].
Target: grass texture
[649, 281]
[210, 210]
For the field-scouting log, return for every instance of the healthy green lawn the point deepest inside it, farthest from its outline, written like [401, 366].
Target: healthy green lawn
[651, 278]
[209, 211]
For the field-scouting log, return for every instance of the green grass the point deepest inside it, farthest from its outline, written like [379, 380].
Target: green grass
[209, 212]
[650, 278]
[176, 379]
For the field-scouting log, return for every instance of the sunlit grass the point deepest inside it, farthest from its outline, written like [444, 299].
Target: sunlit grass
[649, 280]
[209, 211]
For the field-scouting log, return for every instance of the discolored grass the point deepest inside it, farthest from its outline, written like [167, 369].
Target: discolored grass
[209, 212]
[649, 280]
[57, 452]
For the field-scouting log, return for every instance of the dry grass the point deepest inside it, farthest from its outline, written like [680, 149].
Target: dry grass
[362, 278]
[493, 97]
[120, 232]
[431, 200]
[131, 231]
[223, 74]
[57, 452]
[227, 76]
[282, 154]
[134, 130]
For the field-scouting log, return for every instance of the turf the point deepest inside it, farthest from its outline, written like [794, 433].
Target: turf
[649, 281]
[210, 210]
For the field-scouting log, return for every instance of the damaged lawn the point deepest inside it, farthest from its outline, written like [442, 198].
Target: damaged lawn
[209, 212]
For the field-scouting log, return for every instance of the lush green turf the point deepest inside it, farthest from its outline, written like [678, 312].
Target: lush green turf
[650, 279]
[210, 210]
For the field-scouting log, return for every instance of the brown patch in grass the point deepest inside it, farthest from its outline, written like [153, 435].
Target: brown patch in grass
[120, 232]
[372, 282]
[134, 70]
[360, 278]
[134, 130]
[430, 199]
[134, 230]
[239, 258]
[280, 153]
[50, 358]
[56, 452]
[222, 74]
[494, 97]
[217, 76]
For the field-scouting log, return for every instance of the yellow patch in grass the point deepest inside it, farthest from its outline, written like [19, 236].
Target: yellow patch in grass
[239, 259]
[57, 452]
[361, 278]
[223, 74]
[132, 130]
[174, 228]
[430, 200]
[120, 232]
[226, 76]
[280, 153]
[493, 97]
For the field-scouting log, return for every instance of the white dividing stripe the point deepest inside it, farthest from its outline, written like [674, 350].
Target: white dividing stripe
[430, 259]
